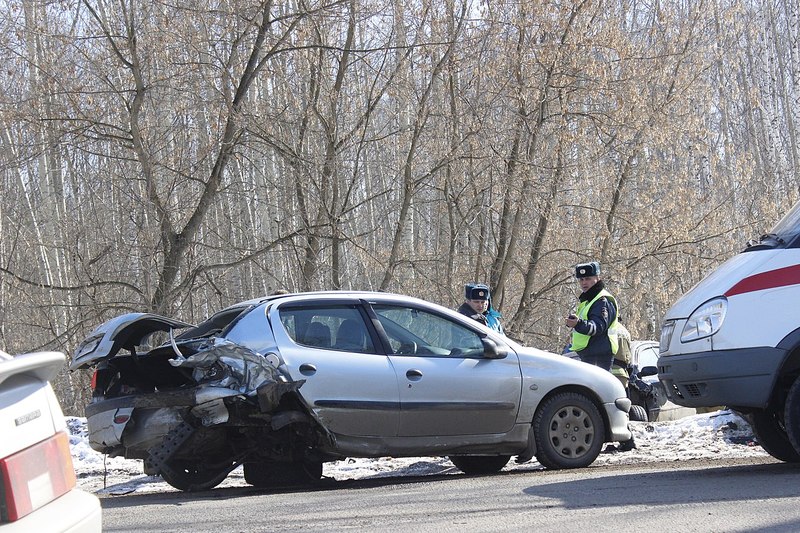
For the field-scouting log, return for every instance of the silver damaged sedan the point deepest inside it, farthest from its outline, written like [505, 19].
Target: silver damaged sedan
[282, 384]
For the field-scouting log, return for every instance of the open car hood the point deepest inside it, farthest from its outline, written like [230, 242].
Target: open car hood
[122, 332]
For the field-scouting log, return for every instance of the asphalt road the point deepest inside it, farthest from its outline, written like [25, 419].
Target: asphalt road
[732, 495]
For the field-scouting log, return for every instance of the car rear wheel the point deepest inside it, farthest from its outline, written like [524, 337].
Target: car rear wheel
[274, 474]
[569, 431]
[480, 464]
[638, 413]
[188, 476]
[771, 435]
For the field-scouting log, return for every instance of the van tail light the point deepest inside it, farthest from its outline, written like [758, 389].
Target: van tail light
[36, 476]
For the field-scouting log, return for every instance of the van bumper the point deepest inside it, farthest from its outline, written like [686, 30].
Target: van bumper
[734, 378]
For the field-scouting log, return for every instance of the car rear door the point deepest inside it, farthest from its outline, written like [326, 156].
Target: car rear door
[350, 386]
[447, 386]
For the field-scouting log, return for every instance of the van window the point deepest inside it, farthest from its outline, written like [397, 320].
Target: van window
[785, 234]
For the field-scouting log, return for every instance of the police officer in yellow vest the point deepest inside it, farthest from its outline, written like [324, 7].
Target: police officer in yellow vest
[594, 324]
[595, 331]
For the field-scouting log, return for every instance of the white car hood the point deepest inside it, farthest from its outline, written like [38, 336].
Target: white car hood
[719, 281]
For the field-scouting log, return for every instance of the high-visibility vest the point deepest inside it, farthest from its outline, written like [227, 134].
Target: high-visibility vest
[581, 341]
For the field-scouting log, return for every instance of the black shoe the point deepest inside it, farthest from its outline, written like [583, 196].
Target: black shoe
[524, 457]
[610, 448]
[627, 446]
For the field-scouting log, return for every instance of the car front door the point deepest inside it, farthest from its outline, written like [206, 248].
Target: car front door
[447, 386]
[350, 386]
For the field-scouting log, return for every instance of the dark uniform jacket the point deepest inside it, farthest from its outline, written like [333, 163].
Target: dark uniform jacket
[466, 310]
[601, 314]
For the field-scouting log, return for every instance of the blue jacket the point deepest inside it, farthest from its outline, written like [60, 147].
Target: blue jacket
[493, 319]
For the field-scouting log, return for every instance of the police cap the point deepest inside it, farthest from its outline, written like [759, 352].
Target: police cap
[585, 270]
[476, 291]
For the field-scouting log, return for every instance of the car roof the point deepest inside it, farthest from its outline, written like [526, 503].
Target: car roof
[43, 365]
[327, 295]
[643, 343]
[219, 320]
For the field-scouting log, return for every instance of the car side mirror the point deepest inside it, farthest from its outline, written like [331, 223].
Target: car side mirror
[648, 371]
[491, 350]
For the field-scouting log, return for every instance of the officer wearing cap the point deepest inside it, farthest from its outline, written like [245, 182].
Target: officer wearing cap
[478, 306]
[594, 324]
[595, 330]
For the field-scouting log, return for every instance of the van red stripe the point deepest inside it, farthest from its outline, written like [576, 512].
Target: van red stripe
[780, 277]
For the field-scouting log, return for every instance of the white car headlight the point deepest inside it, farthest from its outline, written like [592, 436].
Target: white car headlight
[706, 320]
[666, 335]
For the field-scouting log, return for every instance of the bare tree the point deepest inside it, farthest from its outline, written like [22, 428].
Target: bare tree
[176, 158]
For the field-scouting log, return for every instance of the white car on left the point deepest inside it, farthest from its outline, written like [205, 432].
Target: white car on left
[37, 478]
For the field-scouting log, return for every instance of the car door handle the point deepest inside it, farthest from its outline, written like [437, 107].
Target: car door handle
[414, 374]
[307, 369]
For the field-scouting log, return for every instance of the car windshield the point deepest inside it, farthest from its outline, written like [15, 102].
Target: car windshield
[789, 225]
[648, 356]
[782, 234]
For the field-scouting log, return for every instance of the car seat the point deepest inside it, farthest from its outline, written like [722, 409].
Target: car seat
[318, 334]
[350, 335]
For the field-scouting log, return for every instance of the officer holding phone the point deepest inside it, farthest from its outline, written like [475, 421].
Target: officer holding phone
[594, 324]
[595, 330]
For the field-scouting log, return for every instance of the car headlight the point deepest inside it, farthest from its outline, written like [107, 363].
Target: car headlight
[666, 335]
[706, 320]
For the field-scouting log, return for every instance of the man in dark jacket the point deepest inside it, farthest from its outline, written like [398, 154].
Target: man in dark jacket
[478, 306]
[595, 331]
[594, 324]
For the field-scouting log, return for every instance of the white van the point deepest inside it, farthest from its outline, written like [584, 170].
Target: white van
[734, 339]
